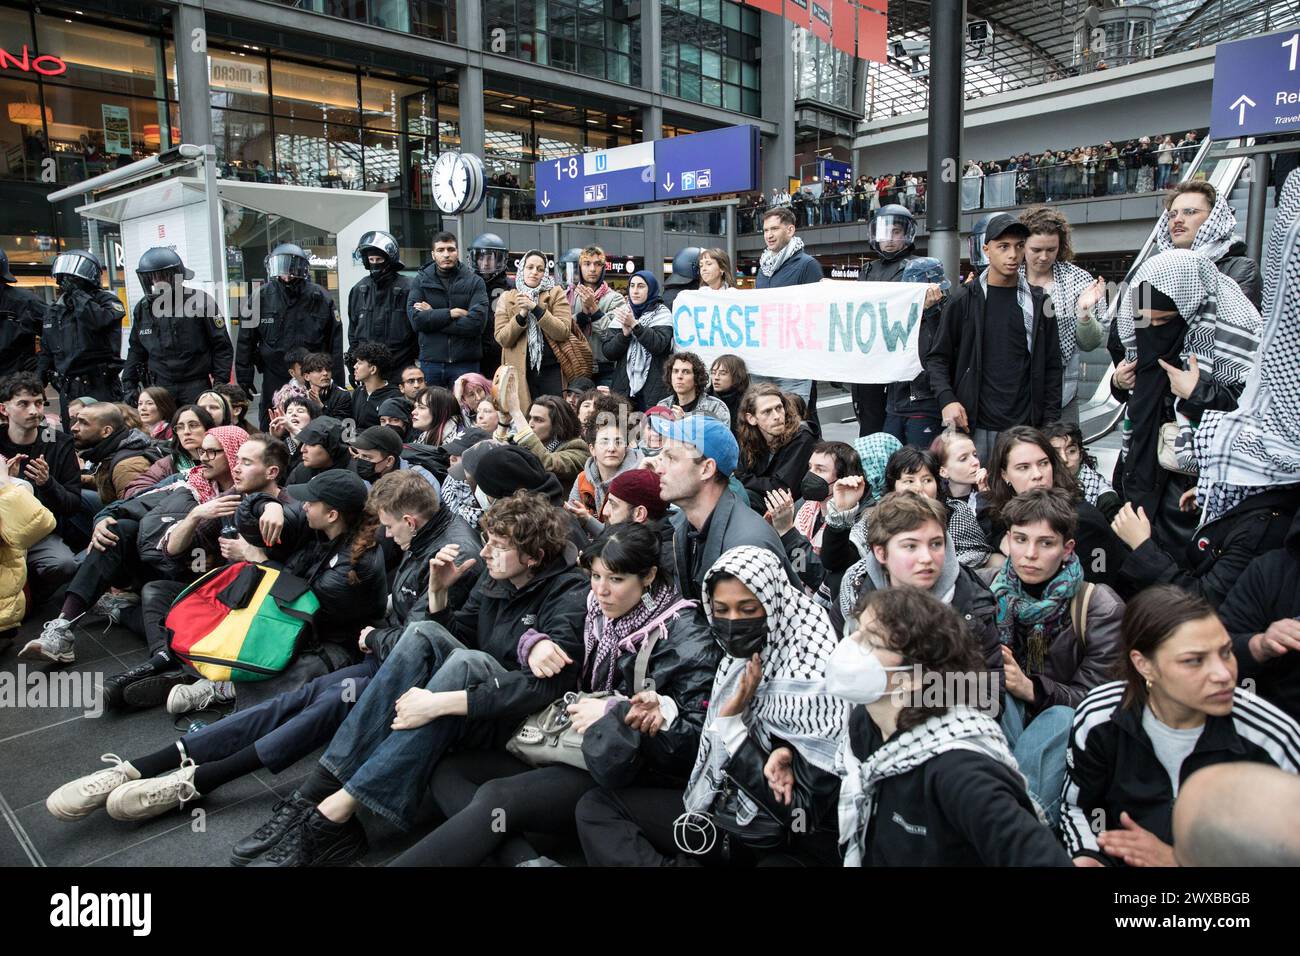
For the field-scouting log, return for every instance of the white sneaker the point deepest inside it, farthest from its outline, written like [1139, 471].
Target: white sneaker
[112, 605]
[54, 644]
[83, 796]
[153, 796]
[184, 698]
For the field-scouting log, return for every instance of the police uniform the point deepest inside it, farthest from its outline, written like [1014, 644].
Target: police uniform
[178, 341]
[21, 318]
[377, 313]
[81, 346]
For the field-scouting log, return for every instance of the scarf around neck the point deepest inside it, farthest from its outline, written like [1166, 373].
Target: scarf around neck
[604, 640]
[1040, 616]
[1214, 237]
[770, 261]
[535, 342]
[231, 437]
[1068, 283]
[648, 314]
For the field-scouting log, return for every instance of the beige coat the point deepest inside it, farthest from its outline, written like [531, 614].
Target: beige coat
[23, 522]
[556, 323]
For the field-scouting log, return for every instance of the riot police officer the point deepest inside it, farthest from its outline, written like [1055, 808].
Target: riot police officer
[686, 274]
[487, 256]
[292, 311]
[21, 316]
[178, 337]
[81, 337]
[377, 304]
[891, 235]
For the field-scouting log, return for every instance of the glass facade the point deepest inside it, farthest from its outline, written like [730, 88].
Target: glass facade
[711, 53]
[435, 19]
[582, 36]
[822, 73]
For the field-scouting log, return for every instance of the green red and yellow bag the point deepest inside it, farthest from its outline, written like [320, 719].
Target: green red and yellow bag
[241, 622]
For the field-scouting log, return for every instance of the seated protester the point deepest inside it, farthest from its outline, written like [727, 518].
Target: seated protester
[113, 558]
[155, 406]
[924, 784]
[770, 725]
[318, 368]
[1238, 815]
[239, 404]
[1023, 459]
[1262, 613]
[396, 414]
[633, 736]
[323, 448]
[908, 544]
[698, 457]
[412, 382]
[120, 454]
[46, 459]
[728, 382]
[1059, 635]
[377, 451]
[217, 406]
[436, 418]
[293, 362]
[465, 686]
[688, 382]
[960, 473]
[489, 418]
[371, 365]
[1135, 741]
[574, 391]
[503, 470]
[610, 456]
[874, 452]
[651, 442]
[775, 444]
[634, 496]
[189, 424]
[1067, 439]
[1188, 338]
[594, 401]
[24, 522]
[469, 390]
[639, 340]
[131, 416]
[457, 491]
[829, 462]
[552, 433]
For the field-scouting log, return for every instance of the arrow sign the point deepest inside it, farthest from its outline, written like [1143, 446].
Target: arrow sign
[546, 198]
[668, 184]
[1242, 101]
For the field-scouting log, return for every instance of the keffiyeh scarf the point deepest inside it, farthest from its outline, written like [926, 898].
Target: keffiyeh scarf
[770, 261]
[535, 342]
[1092, 483]
[1068, 283]
[958, 728]
[1213, 239]
[603, 640]
[790, 703]
[874, 451]
[1039, 615]
[231, 437]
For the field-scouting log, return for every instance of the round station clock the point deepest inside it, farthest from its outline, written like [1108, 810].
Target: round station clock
[457, 182]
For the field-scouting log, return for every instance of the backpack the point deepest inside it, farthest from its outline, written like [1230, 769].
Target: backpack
[172, 506]
[1079, 609]
[241, 622]
[434, 458]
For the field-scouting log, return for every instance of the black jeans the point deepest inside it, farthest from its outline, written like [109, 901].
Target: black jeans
[490, 798]
[118, 566]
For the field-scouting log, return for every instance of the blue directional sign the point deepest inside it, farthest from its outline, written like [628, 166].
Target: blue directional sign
[835, 171]
[1256, 86]
[690, 167]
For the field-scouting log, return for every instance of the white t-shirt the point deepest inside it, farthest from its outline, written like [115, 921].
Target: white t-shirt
[1172, 746]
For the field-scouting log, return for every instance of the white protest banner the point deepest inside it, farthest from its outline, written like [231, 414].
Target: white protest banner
[832, 331]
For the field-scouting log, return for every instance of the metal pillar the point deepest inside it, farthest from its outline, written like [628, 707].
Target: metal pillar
[777, 101]
[652, 124]
[943, 183]
[190, 31]
[469, 80]
[1255, 204]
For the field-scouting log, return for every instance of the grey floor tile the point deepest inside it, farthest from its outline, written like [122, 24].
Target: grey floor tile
[184, 846]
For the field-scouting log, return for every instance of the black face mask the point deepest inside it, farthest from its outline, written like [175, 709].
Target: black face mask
[366, 470]
[402, 433]
[814, 488]
[741, 638]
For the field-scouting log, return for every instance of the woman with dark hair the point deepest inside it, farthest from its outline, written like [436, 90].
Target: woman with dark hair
[775, 444]
[436, 418]
[552, 433]
[1175, 709]
[531, 319]
[189, 424]
[728, 381]
[638, 627]
[238, 399]
[1067, 439]
[639, 338]
[1023, 459]
[923, 783]
[155, 406]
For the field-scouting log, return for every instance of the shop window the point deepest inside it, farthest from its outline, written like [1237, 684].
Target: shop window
[383, 162]
[309, 93]
[22, 130]
[236, 80]
[310, 153]
[244, 145]
[108, 61]
[92, 133]
[381, 101]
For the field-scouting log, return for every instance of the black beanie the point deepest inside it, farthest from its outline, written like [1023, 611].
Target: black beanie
[509, 468]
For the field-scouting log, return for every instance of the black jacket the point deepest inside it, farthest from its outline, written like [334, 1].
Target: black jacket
[959, 808]
[784, 469]
[21, 318]
[1267, 591]
[81, 334]
[62, 493]
[175, 339]
[444, 339]
[1111, 766]
[365, 405]
[497, 614]
[682, 666]
[377, 313]
[955, 359]
[285, 320]
[1213, 562]
[731, 525]
[658, 341]
[337, 402]
[799, 269]
[491, 359]
[1236, 265]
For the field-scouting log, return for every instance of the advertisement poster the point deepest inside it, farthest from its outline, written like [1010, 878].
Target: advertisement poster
[117, 129]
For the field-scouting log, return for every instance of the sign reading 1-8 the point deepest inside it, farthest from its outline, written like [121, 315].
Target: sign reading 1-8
[1256, 86]
[566, 168]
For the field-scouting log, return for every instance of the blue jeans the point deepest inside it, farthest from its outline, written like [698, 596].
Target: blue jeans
[1040, 749]
[388, 771]
[917, 432]
[445, 374]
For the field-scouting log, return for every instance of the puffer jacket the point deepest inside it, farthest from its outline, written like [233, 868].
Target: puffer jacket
[23, 522]
[119, 463]
[556, 321]
[444, 339]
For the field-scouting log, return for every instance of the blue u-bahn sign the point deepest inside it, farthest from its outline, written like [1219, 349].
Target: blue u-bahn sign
[1256, 86]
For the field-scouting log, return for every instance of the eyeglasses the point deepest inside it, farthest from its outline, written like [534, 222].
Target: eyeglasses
[208, 454]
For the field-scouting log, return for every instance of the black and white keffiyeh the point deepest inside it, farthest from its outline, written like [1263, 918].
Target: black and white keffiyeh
[1092, 484]
[1068, 283]
[964, 534]
[1257, 445]
[958, 728]
[790, 703]
[1024, 297]
[770, 261]
[1213, 239]
[1288, 211]
[535, 342]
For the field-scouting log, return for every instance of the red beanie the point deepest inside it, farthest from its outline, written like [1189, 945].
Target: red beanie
[640, 486]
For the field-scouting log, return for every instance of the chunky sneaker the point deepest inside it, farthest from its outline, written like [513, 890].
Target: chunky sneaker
[83, 796]
[284, 816]
[112, 605]
[317, 841]
[153, 796]
[54, 644]
[141, 688]
[184, 698]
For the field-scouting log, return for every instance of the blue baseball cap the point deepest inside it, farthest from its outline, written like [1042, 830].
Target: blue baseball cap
[706, 434]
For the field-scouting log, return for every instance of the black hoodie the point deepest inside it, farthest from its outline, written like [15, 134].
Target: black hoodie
[62, 493]
[328, 433]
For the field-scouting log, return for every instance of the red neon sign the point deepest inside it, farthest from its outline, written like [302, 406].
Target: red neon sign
[45, 64]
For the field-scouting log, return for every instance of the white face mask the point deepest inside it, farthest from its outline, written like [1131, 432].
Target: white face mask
[483, 500]
[856, 674]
